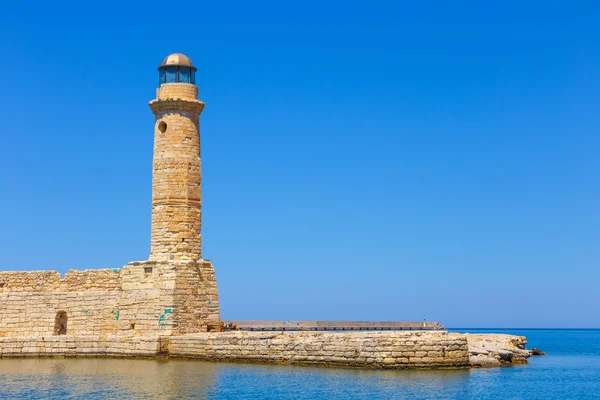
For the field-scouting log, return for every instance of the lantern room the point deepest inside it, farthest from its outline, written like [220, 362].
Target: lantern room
[177, 68]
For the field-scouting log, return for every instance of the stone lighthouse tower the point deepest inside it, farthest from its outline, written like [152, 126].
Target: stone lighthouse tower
[176, 168]
[175, 290]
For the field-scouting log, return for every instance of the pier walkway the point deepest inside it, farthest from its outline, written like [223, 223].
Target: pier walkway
[332, 326]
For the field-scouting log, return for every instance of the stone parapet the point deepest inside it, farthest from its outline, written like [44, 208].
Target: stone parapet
[51, 281]
[177, 90]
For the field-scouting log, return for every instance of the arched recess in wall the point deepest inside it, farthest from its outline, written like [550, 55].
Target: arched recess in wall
[60, 323]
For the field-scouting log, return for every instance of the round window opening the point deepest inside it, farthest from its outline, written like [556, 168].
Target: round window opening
[162, 126]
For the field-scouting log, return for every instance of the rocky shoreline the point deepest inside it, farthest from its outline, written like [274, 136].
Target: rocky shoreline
[497, 350]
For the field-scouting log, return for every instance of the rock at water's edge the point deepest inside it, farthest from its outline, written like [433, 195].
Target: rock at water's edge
[497, 350]
[537, 352]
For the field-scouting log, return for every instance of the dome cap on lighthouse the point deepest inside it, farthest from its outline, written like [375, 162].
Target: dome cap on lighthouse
[177, 60]
[177, 68]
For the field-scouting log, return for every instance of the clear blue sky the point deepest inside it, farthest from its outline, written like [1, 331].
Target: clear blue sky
[371, 160]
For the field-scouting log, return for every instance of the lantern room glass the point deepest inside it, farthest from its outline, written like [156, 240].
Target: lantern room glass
[172, 74]
[176, 74]
[184, 74]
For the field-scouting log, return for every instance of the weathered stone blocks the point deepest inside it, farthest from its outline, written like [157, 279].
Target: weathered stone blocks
[161, 298]
[176, 174]
[388, 349]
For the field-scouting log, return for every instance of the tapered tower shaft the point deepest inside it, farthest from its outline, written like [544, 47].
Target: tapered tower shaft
[176, 167]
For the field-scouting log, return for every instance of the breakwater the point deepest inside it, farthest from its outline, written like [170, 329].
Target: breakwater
[384, 350]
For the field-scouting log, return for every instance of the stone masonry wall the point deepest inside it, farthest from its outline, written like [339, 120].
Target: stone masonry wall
[177, 91]
[390, 349]
[82, 346]
[30, 301]
[387, 349]
[145, 298]
[188, 294]
[33, 314]
[74, 281]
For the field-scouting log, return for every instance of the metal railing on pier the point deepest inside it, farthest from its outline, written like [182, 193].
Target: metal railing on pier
[332, 326]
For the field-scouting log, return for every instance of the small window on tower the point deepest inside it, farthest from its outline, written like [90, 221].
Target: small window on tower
[148, 270]
[162, 126]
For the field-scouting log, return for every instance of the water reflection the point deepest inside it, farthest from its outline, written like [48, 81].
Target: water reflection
[105, 378]
[114, 378]
[576, 376]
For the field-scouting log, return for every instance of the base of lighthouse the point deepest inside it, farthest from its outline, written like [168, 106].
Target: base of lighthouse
[171, 297]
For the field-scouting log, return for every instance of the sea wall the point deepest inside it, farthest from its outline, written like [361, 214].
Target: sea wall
[343, 349]
[143, 298]
[381, 350]
[388, 349]
[81, 346]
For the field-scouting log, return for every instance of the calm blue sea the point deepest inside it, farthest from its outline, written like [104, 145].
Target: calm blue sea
[571, 370]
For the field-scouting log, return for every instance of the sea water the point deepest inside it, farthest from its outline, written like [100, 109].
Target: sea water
[570, 370]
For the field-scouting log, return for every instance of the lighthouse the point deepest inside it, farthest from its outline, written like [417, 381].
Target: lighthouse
[176, 166]
[175, 290]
